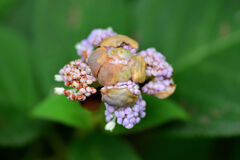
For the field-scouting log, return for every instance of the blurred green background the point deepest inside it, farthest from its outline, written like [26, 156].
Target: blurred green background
[201, 39]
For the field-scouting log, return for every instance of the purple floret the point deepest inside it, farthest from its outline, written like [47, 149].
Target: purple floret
[97, 35]
[126, 116]
[156, 64]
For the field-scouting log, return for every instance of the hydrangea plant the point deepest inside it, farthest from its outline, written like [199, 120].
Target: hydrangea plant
[111, 65]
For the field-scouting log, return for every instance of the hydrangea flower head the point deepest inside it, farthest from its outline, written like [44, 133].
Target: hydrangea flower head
[111, 60]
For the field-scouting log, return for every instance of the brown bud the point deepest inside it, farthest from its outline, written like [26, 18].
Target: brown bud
[164, 94]
[108, 74]
[137, 66]
[119, 97]
[116, 41]
[96, 60]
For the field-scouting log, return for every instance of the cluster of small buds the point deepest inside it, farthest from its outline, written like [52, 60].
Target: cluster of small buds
[130, 85]
[156, 64]
[78, 75]
[157, 85]
[126, 116]
[86, 46]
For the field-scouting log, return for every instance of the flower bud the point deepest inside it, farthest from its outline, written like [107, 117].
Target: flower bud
[137, 67]
[110, 126]
[119, 97]
[108, 74]
[58, 78]
[59, 90]
[118, 40]
[110, 67]
[96, 60]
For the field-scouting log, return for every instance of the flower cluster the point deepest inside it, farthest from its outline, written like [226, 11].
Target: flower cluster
[77, 75]
[156, 63]
[162, 84]
[112, 62]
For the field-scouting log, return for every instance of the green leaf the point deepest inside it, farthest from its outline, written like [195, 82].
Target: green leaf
[60, 109]
[57, 28]
[158, 112]
[16, 85]
[102, 147]
[201, 40]
[17, 128]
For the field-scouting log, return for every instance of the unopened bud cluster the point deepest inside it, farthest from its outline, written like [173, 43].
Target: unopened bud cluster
[112, 61]
[77, 75]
